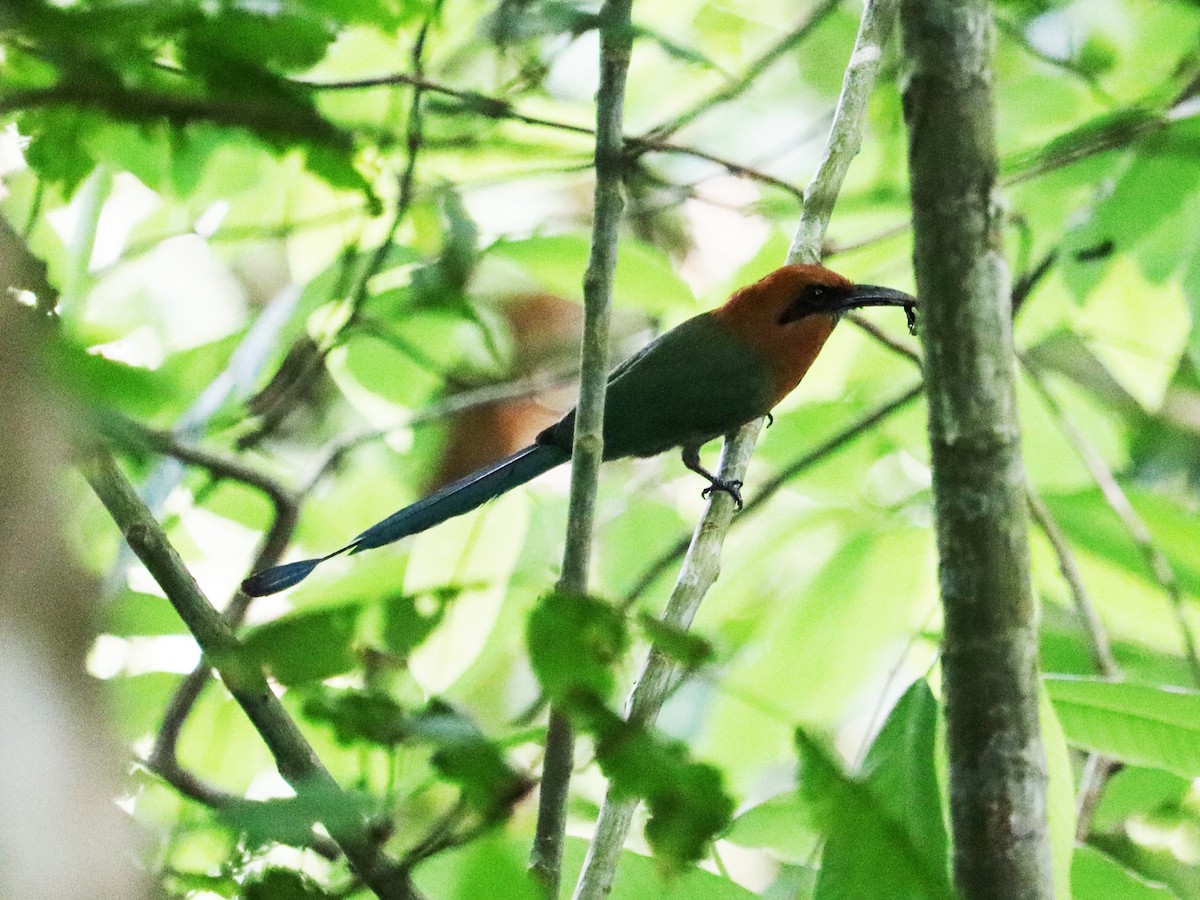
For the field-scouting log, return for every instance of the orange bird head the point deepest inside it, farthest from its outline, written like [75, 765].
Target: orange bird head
[787, 315]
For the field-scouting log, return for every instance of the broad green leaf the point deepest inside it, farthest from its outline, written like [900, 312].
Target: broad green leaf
[308, 645]
[370, 716]
[477, 552]
[496, 866]
[683, 647]
[467, 758]
[409, 619]
[289, 820]
[1095, 876]
[1140, 343]
[133, 613]
[784, 824]
[686, 800]
[283, 884]
[1134, 791]
[640, 877]
[102, 383]
[1090, 523]
[885, 827]
[645, 277]
[1147, 726]
[574, 644]
[850, 593]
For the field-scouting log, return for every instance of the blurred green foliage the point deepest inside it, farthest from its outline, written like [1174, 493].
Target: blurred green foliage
[217, 190]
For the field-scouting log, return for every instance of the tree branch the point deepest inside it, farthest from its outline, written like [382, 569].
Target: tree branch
[616, 42]
[497, 108]
[294, 757]
[703, 560]
[997, 764]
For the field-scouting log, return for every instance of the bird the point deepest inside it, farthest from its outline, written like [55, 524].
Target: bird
[703, 379]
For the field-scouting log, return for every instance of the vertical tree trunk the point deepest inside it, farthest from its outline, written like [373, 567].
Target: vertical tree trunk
[997, 766]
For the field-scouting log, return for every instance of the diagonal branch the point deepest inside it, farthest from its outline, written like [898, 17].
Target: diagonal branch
[1156, 561]
[294, 756]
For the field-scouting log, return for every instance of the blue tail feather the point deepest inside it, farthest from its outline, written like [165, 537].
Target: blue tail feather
[453, 500]
[463, 495]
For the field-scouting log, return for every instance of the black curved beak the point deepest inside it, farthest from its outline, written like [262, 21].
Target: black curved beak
[874, 295]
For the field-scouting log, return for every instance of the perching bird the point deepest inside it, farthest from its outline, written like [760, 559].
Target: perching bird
[702, 379]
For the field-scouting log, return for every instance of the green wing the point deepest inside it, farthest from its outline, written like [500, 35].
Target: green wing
[694, 383]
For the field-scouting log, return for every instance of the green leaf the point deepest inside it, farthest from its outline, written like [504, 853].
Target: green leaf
[101, 383]
[645, 277]
[1136, 791]
[574, 643]
[495, 866]
[783, 824]
[1142, 725]
[132, 613]
[307, 645]
[289, 820]
[1152, 188]
[885, 828]
[689, 650]
[463, 754]
[408, 619]
[640, 877]
[1095, 876]
[1089, 522]
[1060, 796]
[283, 884]
[687, 800]
[479, 550]
[368, 716]
[467, 758]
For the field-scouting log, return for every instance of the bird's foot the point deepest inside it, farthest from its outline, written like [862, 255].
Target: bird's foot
[732, 488]
[770, 420]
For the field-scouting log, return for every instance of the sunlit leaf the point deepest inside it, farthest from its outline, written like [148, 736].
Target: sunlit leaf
[645, 278]
[308, 645]
[1148, 726]
[574, 642]
[886, 826]
[1060, 796]
[1095, 876]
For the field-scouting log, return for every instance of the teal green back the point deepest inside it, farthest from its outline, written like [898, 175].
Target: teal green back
[691, 385]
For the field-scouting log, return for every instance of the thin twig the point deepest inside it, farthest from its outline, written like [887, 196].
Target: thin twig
[497, 108]
[773, 54]
[1156, 561]
[616, 42]
[1097, 768]
[703, 561]
[163, 758]
[1098, 643]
